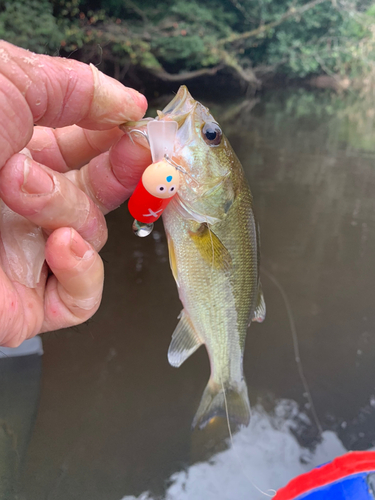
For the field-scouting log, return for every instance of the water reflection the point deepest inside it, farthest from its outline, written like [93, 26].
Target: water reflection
[316, 210]
[263, 456]
[114, 418]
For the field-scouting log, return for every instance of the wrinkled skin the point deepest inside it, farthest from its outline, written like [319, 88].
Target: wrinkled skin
[77, 167]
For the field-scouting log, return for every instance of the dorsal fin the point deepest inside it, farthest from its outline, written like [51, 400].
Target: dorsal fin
[184, 342]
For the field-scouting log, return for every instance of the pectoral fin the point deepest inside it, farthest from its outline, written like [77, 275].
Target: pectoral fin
[260, 310]
[185, 341]
[211, 248]
[172, 259]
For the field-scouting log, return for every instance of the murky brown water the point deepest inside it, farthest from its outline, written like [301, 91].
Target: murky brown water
[113, 418]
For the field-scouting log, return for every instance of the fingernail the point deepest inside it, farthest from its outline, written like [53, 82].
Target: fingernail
[113, 102]
[35, 179]
[139, 99]
[79, 247]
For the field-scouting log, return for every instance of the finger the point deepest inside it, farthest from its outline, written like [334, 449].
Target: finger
[50, 200]
[74, 293]
[110, 178]
[21, 308]
[57, 92]
[71, 147]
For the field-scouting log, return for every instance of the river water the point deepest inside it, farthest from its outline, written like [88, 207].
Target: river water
[109, 419]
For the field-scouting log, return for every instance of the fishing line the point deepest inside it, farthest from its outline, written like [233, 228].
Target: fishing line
[101, 55]
[226, 405]
[297, 355]
[235, 449]
[226, 402]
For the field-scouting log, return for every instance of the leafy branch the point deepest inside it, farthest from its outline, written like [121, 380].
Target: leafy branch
[291, 12]
[179, 41]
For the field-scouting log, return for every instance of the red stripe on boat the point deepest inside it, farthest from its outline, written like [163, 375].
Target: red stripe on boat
[347, 465]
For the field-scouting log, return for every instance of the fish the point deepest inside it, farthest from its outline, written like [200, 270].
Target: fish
[214, 254]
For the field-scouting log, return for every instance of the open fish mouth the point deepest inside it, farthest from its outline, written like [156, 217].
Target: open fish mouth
[178, 109]
[182, 103]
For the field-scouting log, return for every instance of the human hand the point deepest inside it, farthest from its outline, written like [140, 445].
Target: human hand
[79, 171]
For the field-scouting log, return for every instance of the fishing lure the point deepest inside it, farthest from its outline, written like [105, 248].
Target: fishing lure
[160, 181]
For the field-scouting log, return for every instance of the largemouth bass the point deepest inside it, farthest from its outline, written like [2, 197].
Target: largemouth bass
[214, 255]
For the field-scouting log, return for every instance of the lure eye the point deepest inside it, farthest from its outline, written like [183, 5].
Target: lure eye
[212, 134]
[161, 188]
[172, 189]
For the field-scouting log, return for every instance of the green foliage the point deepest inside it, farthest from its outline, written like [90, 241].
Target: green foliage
[191, 33]
[66, 8]
[181, 51]
[334, 37]
[318, 41]
[30, 24]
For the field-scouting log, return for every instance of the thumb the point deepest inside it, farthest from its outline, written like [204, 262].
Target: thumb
[74, 293]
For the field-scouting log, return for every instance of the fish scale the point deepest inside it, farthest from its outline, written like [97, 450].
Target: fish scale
[214, 254]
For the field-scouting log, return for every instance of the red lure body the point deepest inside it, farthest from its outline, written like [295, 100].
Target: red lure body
[158, 185]
[145, 207]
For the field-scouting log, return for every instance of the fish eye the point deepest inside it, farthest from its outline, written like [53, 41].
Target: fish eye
[172, 189]
[212, 134]
[161, 188]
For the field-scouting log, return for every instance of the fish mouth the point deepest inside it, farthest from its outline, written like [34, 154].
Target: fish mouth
[180, 100]
[180, 107]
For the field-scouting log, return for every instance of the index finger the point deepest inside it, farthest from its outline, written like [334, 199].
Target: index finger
[57, 92]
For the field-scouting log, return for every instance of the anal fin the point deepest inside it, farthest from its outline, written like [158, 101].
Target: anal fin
[184, 343]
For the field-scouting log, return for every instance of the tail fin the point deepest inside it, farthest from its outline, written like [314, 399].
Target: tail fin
[227, 401]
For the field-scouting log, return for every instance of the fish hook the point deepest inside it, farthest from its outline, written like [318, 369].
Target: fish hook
[179, 168]
[137, 131]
